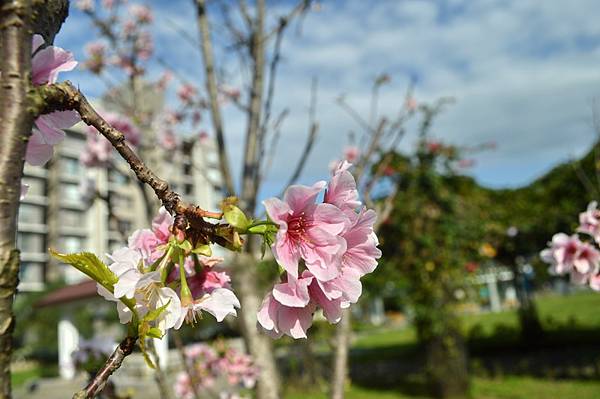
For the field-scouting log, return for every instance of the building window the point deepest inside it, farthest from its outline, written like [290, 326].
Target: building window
[70, 192]
[124, 225]
[31, 242]
[119, 201]
[71, 218]
[187, 168]
[72, 244]
[36, 186]
[31, 272]
[188, 189]
[29, 213]
[114, 176]
[71, 167]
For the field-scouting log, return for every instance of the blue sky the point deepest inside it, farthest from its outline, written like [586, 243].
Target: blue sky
[525, 74]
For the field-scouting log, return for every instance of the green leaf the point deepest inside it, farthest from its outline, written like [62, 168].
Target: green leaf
[154, 332]
[90, 265]
[235, 217]
[263, 228]
[153, 314]
[203, 250]
[185, 245]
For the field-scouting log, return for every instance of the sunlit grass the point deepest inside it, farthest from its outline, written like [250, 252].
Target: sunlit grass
[483, 388]
[576, 310]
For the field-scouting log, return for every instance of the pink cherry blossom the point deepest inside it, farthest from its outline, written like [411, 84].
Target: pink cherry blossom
[589, 221]
[48, 62]
[187, 93]
[351, 154]
[47, 134]
[97, 151]
[220, 370]
[562, 253]
[122, 124]
[307, 231]
[569, 255]
[220, 302]
[167, 140]
[164, 80]
[277, 319]
[341, 190]
[142, 13]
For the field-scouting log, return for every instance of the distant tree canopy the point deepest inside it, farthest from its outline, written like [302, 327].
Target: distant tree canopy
[450, 216]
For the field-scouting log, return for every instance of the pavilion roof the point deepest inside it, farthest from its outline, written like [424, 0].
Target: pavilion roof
[69, 294]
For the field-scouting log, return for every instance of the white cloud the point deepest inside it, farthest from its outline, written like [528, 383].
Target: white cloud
[523, 72]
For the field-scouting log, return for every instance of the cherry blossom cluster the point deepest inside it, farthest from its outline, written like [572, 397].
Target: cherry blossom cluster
[576, 257]
[161, 272]
[218, 369]
[46, 63]
[324, 249]
[129, 40]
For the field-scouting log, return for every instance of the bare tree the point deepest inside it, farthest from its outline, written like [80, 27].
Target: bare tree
[251, 43]
[380, 137]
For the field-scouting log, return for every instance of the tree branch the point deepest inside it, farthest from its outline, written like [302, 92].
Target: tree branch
[211, 87]
[312, 134]
[64, 96]
[115, 360]
[269, 100]
[250, 165]
[186, 364]
[16, 122]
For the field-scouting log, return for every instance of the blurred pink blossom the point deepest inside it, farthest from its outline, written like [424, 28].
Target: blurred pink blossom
[351, 154]
[142, 13]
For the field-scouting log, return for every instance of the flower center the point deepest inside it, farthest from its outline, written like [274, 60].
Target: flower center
[297, 227]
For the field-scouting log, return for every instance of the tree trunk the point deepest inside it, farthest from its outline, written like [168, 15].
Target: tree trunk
[340, 361]
[258, 344]
[16, 124]
[529, 321]
[446, 358]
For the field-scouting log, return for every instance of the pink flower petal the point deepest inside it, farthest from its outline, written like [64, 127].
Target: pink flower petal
[38, 151]
[49, 62]
[293, 293]
[300, 197]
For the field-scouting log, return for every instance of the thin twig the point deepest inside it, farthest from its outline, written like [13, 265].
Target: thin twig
[186, 364]
[270, 155]
[159, 374]
[211, 87]
[312, 134]
[115, 360]
[269, 100]
[341, 101]
[185, 35]
[251, 149]
[373, 146]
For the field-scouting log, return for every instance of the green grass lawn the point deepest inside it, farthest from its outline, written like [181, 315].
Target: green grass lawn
[19, 378]
[505, 388]
[576, 310]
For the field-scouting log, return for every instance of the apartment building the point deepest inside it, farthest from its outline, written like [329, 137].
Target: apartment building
[54, 214]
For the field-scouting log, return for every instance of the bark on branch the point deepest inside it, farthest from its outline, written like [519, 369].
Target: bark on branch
[16, 122]
[115, 360]
[211, 88]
